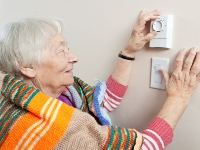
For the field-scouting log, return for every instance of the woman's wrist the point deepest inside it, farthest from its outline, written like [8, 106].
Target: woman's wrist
[182, 100]
[173, 109]
[128, 53]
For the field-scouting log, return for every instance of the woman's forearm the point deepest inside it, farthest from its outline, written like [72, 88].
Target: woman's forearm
[123, 68]
[136, 42]
[172, 110]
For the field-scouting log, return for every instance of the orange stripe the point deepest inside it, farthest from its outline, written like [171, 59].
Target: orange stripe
[9, 85]
[33, 130]
[90, 93]
[5, 116]
[20, 93]
[46, 122]
[131, 138]
[16, 87]
[58, 128]
[116, 137]
[124, 138]
[18, 130]
[108, 138]
[25, 97]
[51, 137]
[37, 103]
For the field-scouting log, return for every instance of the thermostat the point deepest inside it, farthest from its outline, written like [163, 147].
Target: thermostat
[163, 25]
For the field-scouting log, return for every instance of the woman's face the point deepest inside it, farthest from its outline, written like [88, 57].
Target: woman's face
[55, 70]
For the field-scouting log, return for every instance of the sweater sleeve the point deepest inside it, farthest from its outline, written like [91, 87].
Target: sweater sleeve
[157, 135]
[114, 94]
[83, 132]
[100, 99]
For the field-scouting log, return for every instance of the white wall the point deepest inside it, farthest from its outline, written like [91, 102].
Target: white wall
[97, 30]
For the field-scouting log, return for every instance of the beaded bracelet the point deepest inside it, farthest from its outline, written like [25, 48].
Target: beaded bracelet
[125, 57]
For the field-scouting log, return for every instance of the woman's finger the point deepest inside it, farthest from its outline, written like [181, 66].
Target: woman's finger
[144, 17]
[140, 25]
[189, 60]
[141, 14]
[196, 65]
[179, 60]
[151, 15]
[198, 78]
[165, 76]
[149, 36]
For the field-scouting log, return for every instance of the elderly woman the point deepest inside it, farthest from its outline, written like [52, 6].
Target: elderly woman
[43, 106]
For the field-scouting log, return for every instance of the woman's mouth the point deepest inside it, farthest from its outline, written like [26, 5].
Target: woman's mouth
[69, 71]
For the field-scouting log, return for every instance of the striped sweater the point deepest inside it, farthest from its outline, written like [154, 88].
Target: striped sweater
[31, 119]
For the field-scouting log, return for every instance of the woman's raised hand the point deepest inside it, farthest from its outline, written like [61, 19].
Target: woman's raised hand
[185, 78]
[138, 39]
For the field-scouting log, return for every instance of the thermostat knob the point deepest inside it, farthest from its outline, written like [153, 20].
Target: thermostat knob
[158, 25]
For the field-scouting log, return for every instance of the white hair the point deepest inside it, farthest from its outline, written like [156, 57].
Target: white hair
[21, 42]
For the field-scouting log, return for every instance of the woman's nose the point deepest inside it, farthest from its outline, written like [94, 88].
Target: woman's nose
[73, 58]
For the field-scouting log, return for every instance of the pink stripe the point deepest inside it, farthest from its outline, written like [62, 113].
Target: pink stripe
[115, 87]
[153, 137]
[162, 128]
[146, 145]
[111, 100]
[150, 143]
[107, 109]
[112, 96]
[109, 104]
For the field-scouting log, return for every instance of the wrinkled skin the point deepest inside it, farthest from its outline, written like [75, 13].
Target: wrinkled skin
[185, 78]
[138, 39]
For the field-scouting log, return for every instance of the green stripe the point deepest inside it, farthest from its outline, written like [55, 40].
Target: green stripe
[10, 91]
[5, 80]
[5, 91]
[88, 91]
[82, 108]
[128, 138]
[18, 91]
[30, 98]
[120, 137]
[22, 95]
[84, 86]
[14, 118]
[90, 99]
[135, 137]
[5, 106]
[80, 90]
[110, 144]
[80, 81]
[2, 101]
[8, 114]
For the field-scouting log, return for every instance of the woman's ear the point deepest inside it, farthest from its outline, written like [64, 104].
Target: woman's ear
[29, 72]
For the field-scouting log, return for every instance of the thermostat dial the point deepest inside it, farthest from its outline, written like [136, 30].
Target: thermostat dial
[158, 25]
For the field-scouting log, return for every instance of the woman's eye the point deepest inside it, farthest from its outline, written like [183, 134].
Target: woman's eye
[62, 51]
